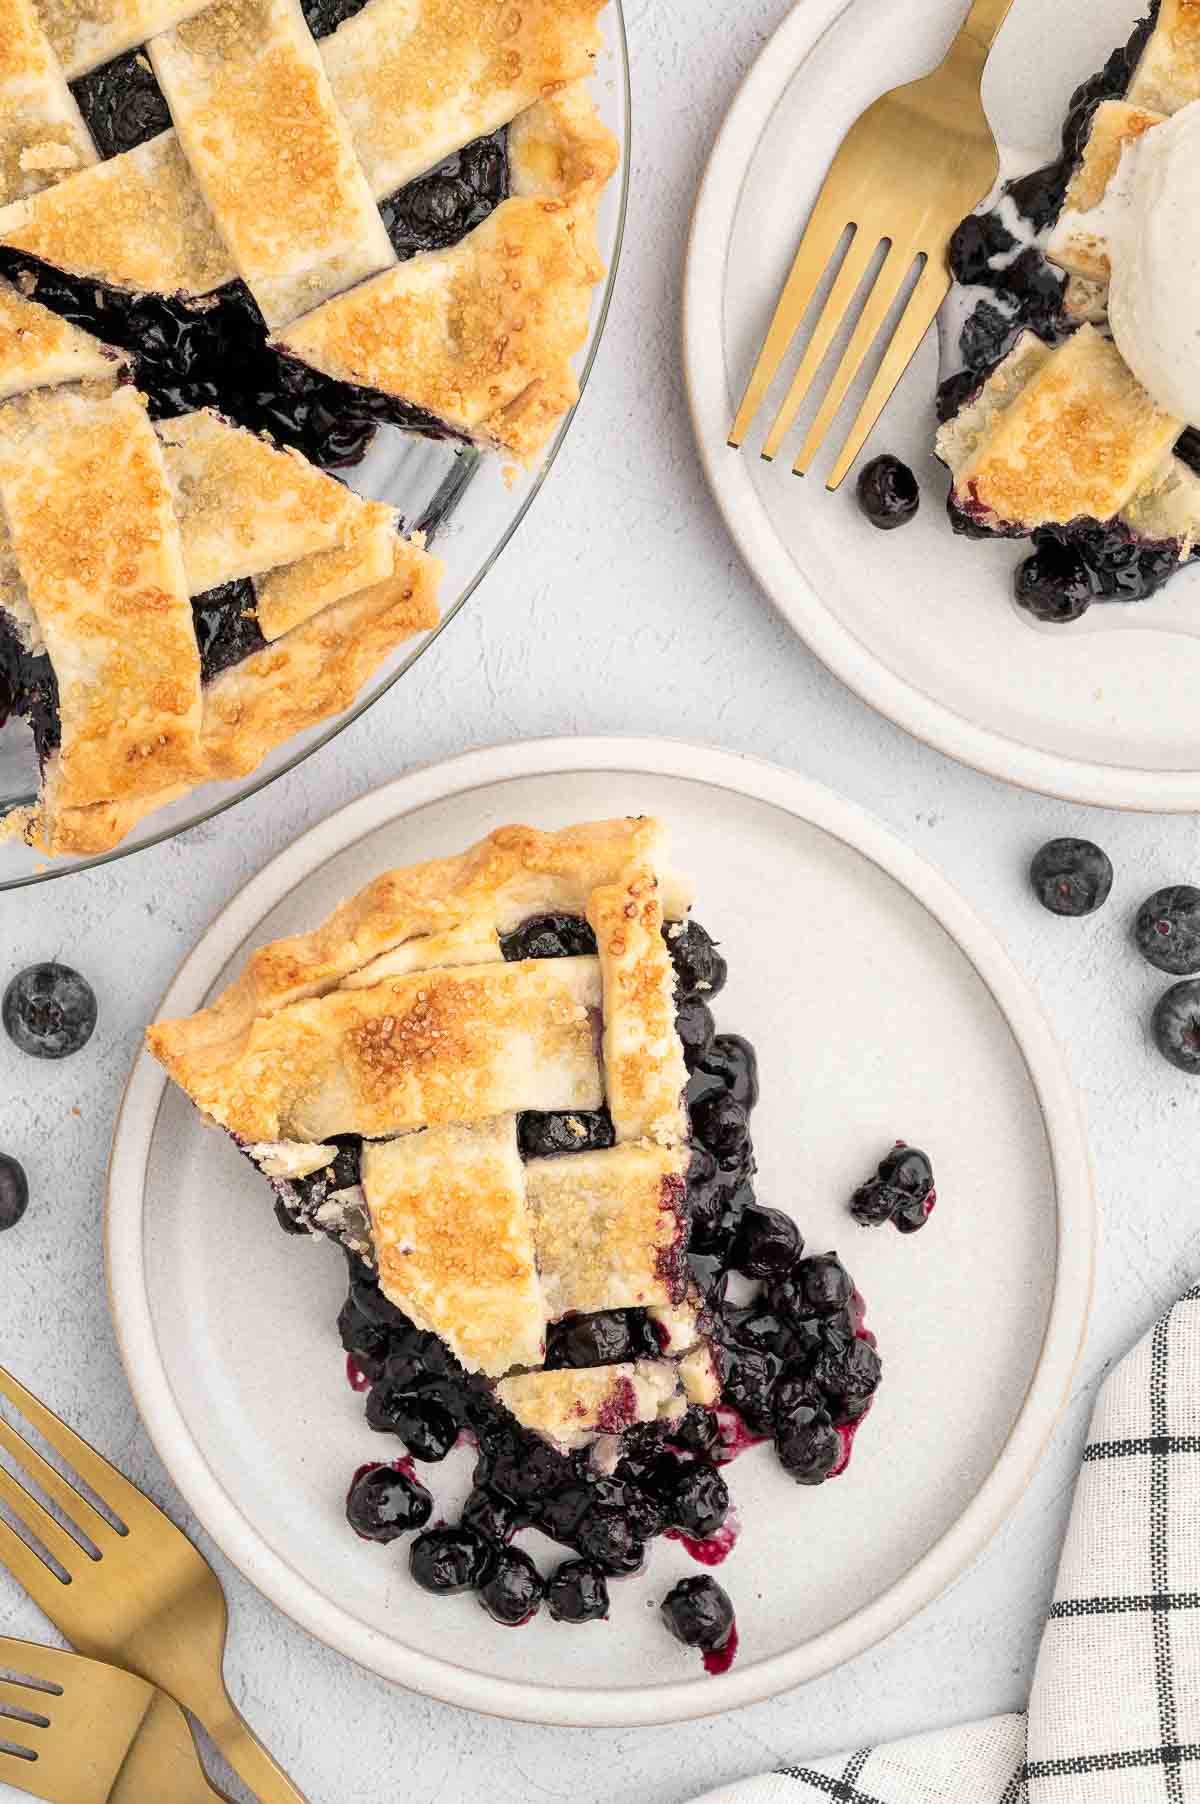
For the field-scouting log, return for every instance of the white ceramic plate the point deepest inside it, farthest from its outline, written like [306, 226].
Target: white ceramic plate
[919, 623]
[881, 1007]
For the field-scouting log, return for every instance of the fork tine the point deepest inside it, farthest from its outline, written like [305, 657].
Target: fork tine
[123, 1499]
[70, 1500]
[928, 295]
[17, 1697]
[817, 246]
[878, 304]
[37, 1518]
[854, 268]
[30, 1570]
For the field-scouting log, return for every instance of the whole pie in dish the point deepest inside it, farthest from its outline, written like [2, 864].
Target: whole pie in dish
[1064, 418]
[496, 1080]
[235, 239]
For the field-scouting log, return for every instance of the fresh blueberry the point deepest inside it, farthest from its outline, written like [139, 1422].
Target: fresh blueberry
[824, 1284]
[426, 1427]
[541, 1136]
[549, 936]
[808, 1445]
[1176, 1025]
[1167, 930]
[734, 1063]
[512, 1591]
[578, 1592]
[721, 1125]
[695, 1026]
[767, 1243]
[14, 1191]
[698, 1612]
[449, 1560]
[874, 1203]
[1071, 876]
[49, 1011]
[383, 1504]
[1052, 584]
[887, 493]
[699, 967]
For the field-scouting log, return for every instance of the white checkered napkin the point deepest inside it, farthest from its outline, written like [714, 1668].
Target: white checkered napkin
[1114, 1714]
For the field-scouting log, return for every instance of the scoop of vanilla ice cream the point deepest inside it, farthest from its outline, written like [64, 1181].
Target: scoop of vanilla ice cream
[1153, 223]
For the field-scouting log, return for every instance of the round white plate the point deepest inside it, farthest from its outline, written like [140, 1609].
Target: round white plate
[919, 623]
[881, 1007]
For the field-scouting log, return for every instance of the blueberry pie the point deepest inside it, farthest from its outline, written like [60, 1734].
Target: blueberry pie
[1069, 414]
[472, 1076]
[236, 238]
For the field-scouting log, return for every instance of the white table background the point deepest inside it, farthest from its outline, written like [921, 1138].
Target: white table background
[621, 607]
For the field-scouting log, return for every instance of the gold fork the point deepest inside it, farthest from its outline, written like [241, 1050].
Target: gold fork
[144, 1599]
[80, 1732]
[907, 171]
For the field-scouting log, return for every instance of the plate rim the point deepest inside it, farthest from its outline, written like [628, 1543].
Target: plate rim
[1058, 1100]
[931, 721]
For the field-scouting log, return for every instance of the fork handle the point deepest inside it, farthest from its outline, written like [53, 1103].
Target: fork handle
[241, 1747]
[981, 28]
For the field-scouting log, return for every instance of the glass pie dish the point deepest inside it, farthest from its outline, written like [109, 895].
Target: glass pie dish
[467, 503]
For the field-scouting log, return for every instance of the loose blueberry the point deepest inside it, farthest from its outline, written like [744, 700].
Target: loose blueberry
[874, 1203]
[699, 967]
[733, 1062]
[695, 1026]
[887, 493]
[426, 1427]
[913, 1213]
[1167, 930]
[907, 1168]
[698, 1612]
[49, 1011]
[559, 1513]
[749, 1386]
[698, 1432]
[550, 936]
[605, 1536]
[578, 1592]
[512, 1591]
[449, 1560]
[767, 1243]
[1176, 1026]
[848, 1374]
[1071, 876]
[1052, 584]
[721, 1125]
[383, 1504]
[14, 1191]
[808, 1446]
[797, 1397]
[824, 1283]
[490, 1515]
[698, 1502]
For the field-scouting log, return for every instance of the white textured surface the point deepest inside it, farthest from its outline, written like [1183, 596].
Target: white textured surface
[620, 607]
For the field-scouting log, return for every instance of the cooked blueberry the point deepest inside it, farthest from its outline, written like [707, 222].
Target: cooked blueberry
[695, 1026]
[1071, 876]
[734, 1063]
[426, 1427]
[607, 1339]
[550, 936]
[122, 103]
[542, 1136]
[605, 1536]
[49, 1011]
[761, 1328]
[699, 967]
[578, 1592]
[887, 493]
[986, 337]
[908, 1169]
[767, 1242]
[797, 1396]
[956, 391]
[979, 238]
[874, 1203]
[1176, 1025]
[849, 1373]
[14, 1191]
[699, 1501]
[1167, 929]
[439, 208]
[289, 1221]
[449, 1560]
[490, 1515]
[558, 1513]
[1053, 584]
[512, 1591]
[913, 1213]
[721, 1125]
[225, 621]
[1039, 195]
[824, 1284]
[370, 1301]
[698, 1612]
[1037, 286]
[526, 1469]
[698, 1432]
[369, 1342]
[808, 1446]
[383, 1504]
[749, 1386]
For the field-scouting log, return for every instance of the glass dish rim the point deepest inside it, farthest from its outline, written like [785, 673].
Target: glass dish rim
[49, 872]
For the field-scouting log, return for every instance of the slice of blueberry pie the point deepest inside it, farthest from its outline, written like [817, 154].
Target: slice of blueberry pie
[236, 238]
[495, 1080]
[1070, 411]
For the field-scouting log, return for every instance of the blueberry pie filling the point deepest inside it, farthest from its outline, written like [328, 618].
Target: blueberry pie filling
[1057, 422]
[584, 1291]
[257, 223]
